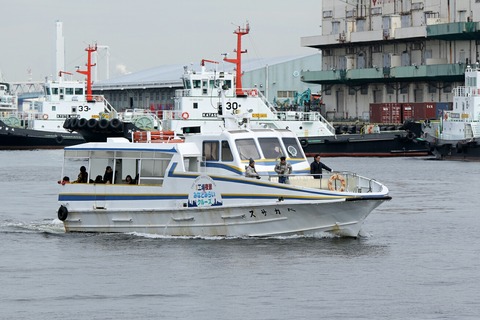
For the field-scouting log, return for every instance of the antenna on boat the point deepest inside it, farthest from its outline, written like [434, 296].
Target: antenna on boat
[90, 49]
[238, 61]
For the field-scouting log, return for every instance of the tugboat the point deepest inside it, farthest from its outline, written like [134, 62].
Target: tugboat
[40, 125]
[456, 135]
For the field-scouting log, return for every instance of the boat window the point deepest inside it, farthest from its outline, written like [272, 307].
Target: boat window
[293, 148]
[153, 171]
[76, 153]
[271, 148]
[186, 84]
[226, 151]
[228, 83]
[197, 84]
[79, 91]
[101, 154]
[47, 89]
[71, 167]
[129, 154]
[98, 166]
[210, 150]
[247, 149]
[69, 91]
[54, 90]
[191, 164]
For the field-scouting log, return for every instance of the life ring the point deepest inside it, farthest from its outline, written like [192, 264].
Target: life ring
[45, 116]
[254, 92]
[304, 143]
[445, 116]
[59, 139]
[62, 213]
[332, 184]
[185, 115]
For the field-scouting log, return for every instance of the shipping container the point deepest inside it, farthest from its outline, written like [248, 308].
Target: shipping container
[385, 113]
[440, 107]
[418, 111]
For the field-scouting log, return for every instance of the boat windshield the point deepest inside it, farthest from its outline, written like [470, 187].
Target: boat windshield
[294, 149]
[271, 148]
[247, 149]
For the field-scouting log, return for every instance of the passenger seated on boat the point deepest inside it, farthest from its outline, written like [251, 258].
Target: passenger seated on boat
[64, 181]
[98, 179]
[82, 176]
[129, 180]
[108, 176]
[250, 171]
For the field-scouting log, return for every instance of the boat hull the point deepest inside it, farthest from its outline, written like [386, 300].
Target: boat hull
[17, 139]
[384, 144]
[457, 151]
[343, 218]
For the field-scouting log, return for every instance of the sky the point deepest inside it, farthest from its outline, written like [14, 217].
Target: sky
[143, 34]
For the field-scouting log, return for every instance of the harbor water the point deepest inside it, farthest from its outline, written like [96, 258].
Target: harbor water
[418, 256]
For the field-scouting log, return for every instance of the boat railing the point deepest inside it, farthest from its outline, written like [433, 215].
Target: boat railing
[340, 181]
[464, 91]
[304, 116]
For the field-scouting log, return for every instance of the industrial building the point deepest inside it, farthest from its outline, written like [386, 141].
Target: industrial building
[402, 56]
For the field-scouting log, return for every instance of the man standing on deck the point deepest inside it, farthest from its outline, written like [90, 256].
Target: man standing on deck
[316, 167]
[283, 169]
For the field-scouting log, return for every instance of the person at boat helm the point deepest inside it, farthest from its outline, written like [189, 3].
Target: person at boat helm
[316, 167]
[283, 169]
[82, 176]
[108, 176]
[250, 171]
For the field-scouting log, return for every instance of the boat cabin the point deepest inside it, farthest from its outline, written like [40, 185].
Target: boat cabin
[227, 153]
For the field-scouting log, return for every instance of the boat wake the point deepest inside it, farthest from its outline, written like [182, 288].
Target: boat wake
[319, 235]
[54, 226]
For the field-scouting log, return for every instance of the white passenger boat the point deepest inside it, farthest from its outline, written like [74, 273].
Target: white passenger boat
[198, 187]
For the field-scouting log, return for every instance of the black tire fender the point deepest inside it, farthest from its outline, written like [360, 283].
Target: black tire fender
[62, 213]
[103, 124]
[92, 123]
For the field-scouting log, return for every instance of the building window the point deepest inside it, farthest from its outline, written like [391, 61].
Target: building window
[286, 94]
[364, 89]
[406, 21]
[376, 11]
[329, 52]
[432, 88]
[390, 89]
[327, 14]
[351, 91]
[377, 48]
[335, 27]
[447, 86]
[327, 90]
[404, 89]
